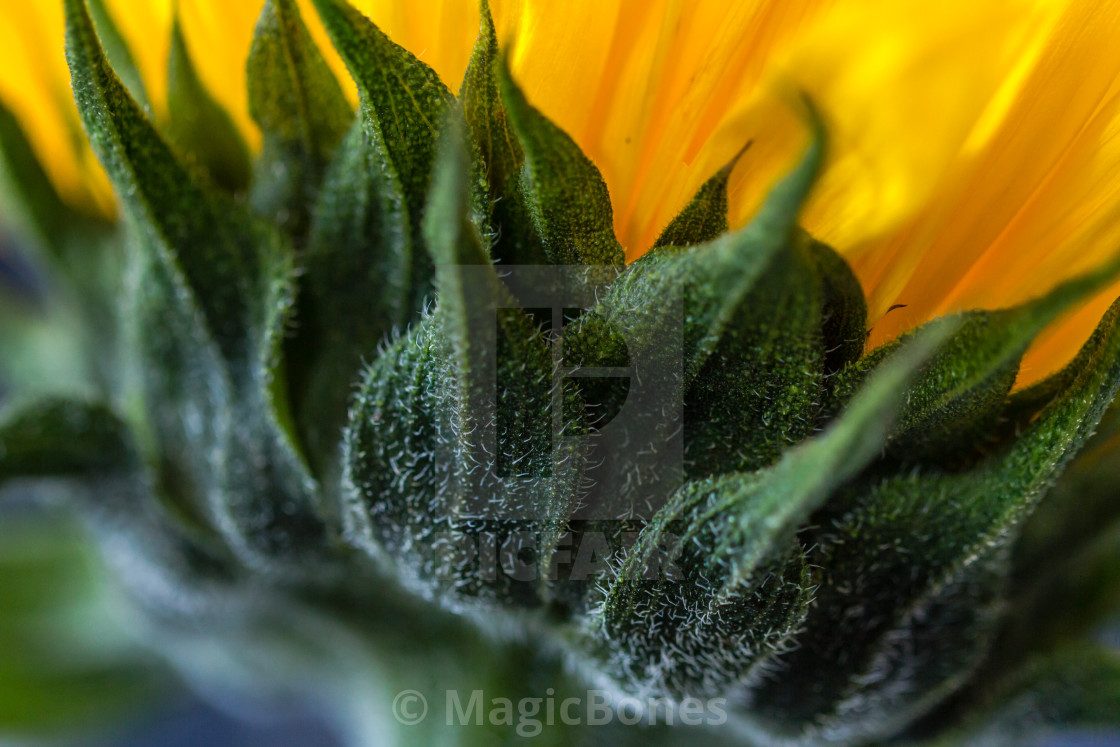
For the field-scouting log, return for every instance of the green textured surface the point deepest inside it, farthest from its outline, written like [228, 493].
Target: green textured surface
[326, 452]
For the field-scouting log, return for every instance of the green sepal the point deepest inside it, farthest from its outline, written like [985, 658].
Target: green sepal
[742, 588]
[302, 112]
[564, 193]
[704, 218]
[429, 401]
[117, 51]
[766, 508]
[1023, 405]
[754, 307]
[230, 264]
[720, 276]
[500, 152]
[199, 126]
[356, 287]
[713, 281]
[454, 244]
[481, 99]
[54, 438]
[963, 393]
[939, 589]
[844, 323]
[737, 636]
[209, 295]
[403, 105]
[759, 391]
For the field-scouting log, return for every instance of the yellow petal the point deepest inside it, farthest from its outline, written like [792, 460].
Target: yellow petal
[642, 85]
[36, 87]
[987, 187]
[974, 144]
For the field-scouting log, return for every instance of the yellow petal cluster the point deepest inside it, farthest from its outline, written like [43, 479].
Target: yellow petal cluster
[974, 153]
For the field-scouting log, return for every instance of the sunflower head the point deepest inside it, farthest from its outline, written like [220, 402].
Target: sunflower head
[379, 405]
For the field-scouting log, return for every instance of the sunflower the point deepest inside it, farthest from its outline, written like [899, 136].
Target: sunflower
[743, 367]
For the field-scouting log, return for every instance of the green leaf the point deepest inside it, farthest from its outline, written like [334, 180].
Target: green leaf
[116, 49]
[914, 567]
[454, 244]
[499, 150]
[705, 217]
[199, 126]
[714, 282]
[742, 588]
[962, 394]
[301, 110]
[781, 499]
[758, 393]
[208, 306]
[481, 99]
[403, 105]
[844, 327]
[227, 261]
[564, 193]
[753, 309]
[356, 287]
[466, 399]
[718, 644]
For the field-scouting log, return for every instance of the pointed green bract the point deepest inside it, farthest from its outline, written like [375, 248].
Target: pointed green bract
[704, 218]
[190, 229]
[718, 573]
[844, 323]
[964, 390]
[481, 99]
[356, 288]
[199, 126]
[466, 399]
[116, 49]
[209, 303]
[301, 110]
[403, 105]
[451, 238]
[940, 588]
[501, 155]
[564, 193]
[758, 391]
[403, 99]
